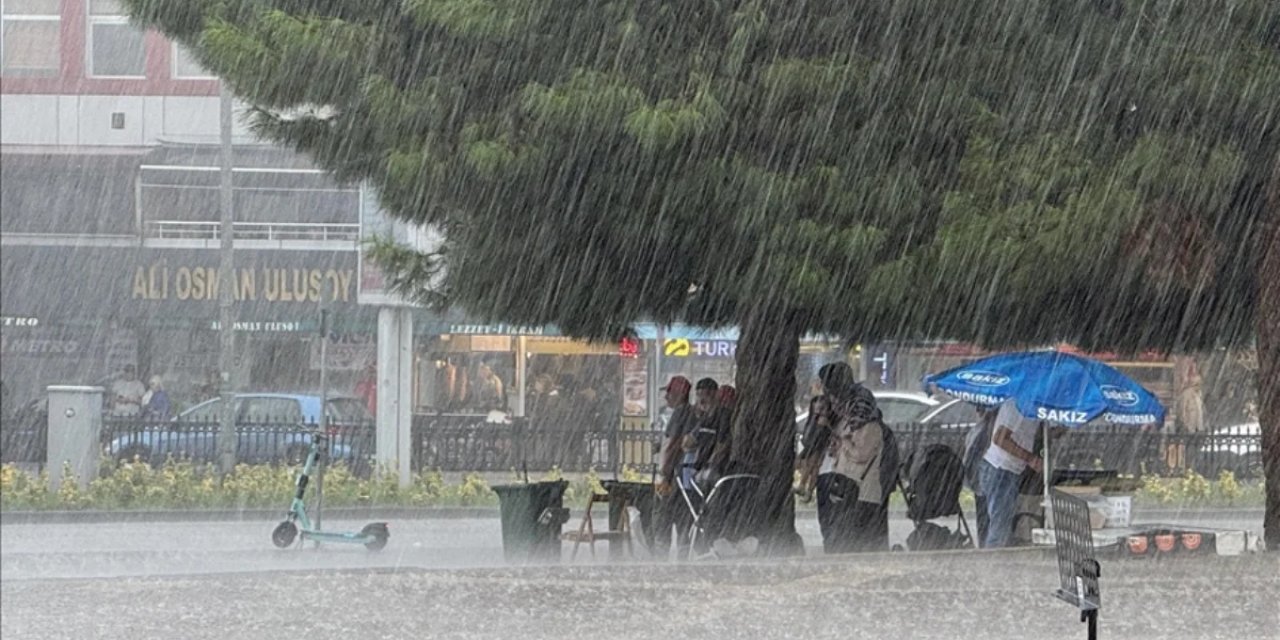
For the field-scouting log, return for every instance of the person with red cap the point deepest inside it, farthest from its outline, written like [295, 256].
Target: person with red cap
[671, 510]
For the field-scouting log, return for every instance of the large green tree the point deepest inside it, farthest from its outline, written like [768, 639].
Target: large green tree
[782, 166]
[1143, 212]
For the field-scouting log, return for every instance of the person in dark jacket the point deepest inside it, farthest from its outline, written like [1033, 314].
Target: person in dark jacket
[672, 512]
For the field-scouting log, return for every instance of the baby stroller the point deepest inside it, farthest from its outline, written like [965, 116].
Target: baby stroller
[713, 518]
[931, 481]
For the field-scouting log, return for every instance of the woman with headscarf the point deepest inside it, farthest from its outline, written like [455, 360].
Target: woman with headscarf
[857, 490]
[834, 445]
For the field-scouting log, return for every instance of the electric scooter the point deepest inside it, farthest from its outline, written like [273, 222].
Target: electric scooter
[373, 536]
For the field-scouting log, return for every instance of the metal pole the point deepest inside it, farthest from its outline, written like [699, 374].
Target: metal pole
[226, 291]
[324, 413]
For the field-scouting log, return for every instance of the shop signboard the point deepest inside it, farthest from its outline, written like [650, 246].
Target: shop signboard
[62, 285]
[346, 352]
[377, 225]
[686, 348]
[635, 387]
[19, 321]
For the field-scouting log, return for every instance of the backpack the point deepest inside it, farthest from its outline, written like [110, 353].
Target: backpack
[934, 478]
[890, 463]
[928, 536]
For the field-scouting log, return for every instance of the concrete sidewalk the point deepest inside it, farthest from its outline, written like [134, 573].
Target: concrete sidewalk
[415, 513]
[989, 595]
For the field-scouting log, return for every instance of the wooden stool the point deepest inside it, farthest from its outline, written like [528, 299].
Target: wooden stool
[587, 531]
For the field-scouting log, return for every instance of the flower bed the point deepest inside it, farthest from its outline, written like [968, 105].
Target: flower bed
[183, 485]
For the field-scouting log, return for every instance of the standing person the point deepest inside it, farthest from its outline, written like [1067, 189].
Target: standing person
[672, 511]
[727, 401]
[367, 388]
[1000, 472]
[157, 405]
[817, 463]
[490, 393]
[860, 440]
[698, 443]
[126, 394]
[1188, 410]
[834, 490]
[976, 443]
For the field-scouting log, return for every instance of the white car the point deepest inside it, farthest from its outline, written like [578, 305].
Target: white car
[899, 407]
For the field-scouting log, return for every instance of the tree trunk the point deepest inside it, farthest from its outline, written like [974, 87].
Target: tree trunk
[764, 424]
[1267, 317]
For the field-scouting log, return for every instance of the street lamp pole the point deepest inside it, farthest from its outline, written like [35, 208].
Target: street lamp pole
[226, 291]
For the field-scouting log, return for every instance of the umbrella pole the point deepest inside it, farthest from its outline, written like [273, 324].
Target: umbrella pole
[1047, 473]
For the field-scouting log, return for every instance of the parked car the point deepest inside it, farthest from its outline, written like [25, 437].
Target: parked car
[952, 413]
[1237, 448]
[270, 427]
[898, 407]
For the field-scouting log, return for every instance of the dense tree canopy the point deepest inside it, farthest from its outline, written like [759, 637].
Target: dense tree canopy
[1004, 170]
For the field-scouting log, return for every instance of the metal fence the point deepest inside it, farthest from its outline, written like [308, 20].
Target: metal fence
[23, 440]
[258, 442]
[1125, 450]
[464, 443]
[470, 443]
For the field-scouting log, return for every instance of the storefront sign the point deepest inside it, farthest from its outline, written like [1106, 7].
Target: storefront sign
[495, 329]
[68, 285]
[40, 347]
[686, 348]
[635, 387]
[348, 352]
[263, 327]
[491, 343]
[161, 281]
[19, 321]
[376, 224]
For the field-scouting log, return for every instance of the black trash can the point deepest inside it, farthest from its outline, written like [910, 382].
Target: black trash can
[532, 515]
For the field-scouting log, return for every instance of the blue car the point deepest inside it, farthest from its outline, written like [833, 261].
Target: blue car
[270, 428]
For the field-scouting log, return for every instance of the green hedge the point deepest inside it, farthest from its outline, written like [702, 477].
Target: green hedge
[184, 485]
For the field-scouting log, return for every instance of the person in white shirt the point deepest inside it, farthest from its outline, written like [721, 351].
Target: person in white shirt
[1000, 472]
[126, 393]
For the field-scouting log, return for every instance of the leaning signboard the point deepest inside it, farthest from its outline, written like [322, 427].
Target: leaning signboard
[376, 224]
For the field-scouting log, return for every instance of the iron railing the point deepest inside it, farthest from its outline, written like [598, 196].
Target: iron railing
[470, 443]
[262, 441]
[275, 231]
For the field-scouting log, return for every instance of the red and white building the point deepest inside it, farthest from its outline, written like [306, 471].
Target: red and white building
[109, 216]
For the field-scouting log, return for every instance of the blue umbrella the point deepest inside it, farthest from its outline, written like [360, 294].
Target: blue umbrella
[1053, 386]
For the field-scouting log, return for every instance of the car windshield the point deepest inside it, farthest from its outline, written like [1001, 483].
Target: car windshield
[348, 410]
[899, 410]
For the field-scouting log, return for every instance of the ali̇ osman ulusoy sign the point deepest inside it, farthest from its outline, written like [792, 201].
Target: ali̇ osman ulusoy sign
[163, 282]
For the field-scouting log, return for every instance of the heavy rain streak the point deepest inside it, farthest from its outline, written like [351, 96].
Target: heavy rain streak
[558, 319]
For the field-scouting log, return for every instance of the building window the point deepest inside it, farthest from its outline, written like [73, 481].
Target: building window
[29, 38]
[115, 48]
[186, 66]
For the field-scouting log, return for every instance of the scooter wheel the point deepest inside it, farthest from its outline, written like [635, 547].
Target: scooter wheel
[284, 535]
[380, 536]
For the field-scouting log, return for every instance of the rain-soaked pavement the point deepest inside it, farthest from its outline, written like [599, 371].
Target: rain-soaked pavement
[444, 578]
[973, 595]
